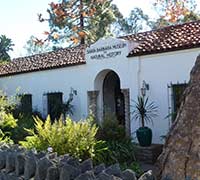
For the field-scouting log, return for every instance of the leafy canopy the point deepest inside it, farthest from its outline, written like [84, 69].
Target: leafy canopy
[79, 21]
[175, 11]
[5, 46]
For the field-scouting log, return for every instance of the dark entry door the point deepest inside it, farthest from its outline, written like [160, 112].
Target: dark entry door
[113, 99]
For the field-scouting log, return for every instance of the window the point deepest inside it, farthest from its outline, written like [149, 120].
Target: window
[25, 105]
[54, 105]
[177, 96]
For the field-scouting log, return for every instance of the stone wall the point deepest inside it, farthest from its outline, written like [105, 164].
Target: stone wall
[148, 154]
[18, 164]
[181, 153]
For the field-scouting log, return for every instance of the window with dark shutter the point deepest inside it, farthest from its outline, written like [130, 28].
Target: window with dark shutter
[25, 105]
[177, 96]
[55, 105]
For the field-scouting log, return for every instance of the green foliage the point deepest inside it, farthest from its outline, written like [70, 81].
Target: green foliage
[24, 107]
[67, 107]
[13, 122]
[115, 146]
[101, 151]
[143, 110]
[171, 12]
[7, 121]
[5, 46]
[7, 104]
[24, 122]
[5, 138]
[134, 23]
[80, 21]
[121, 151]
[110, 129]
[32, 48]
[76, 138]
[134, 166]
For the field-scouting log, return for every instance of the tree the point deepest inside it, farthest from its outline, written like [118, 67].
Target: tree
[79, 21]
[34, 47]
[175, 12]
[137, 21]
[5, 46]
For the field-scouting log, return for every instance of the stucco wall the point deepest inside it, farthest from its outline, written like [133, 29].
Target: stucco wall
[157, 70]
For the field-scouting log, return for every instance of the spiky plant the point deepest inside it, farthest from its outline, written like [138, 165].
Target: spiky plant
[144, 111]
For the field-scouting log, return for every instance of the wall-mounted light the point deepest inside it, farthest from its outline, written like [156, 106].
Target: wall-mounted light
[144, 88]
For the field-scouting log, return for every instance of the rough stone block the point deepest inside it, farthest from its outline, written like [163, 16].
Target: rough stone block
[98, 169]
[30, 166]
[68, 172]
[73, 162]
[19, 164]
[2, 159]
[128, 174]
[147, 176]
[41, 168]
[89, 175]
[86, 165]
[10, 161]
[103, 176]
[115, 178]
[114, 170]
[52, 173]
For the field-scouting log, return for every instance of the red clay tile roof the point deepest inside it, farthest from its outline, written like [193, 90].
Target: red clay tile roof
[51, 60]
[172, 38]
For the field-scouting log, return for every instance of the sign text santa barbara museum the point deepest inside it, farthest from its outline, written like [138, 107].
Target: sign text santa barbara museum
[106, 52]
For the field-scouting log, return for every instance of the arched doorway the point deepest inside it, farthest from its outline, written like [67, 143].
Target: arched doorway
[113, 98]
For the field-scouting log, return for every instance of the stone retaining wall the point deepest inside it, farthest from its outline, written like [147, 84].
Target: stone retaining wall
[148, 154]
[18, 164]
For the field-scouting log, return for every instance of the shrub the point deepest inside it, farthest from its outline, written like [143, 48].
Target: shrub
[118, 152]
[7, 121]
[117, 148]
[134, 166]
[76, 138]
[4, 138]
[19, 132]
[110, 129]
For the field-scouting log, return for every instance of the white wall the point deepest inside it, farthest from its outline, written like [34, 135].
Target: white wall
[157, 70]
[80, 77]
[160, 70]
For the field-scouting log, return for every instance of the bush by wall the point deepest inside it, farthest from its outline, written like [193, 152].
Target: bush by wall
[76, 138]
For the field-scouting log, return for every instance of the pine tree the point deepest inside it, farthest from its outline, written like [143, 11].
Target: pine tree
[79, 21]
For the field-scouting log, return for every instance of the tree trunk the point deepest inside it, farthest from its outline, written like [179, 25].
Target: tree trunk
[181, 154]
[82, 21]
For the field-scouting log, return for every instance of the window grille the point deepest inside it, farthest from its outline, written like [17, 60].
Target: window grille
[175, 97]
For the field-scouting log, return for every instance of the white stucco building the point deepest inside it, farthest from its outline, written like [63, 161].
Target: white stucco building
[109, 74]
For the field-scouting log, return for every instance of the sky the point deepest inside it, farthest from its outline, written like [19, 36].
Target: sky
[18, 18]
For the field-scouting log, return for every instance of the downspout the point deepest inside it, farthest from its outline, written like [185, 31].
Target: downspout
[139, 80]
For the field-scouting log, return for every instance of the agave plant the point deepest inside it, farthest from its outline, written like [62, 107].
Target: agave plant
[144, 111]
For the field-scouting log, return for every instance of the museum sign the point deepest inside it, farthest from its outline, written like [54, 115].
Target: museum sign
[106, 52]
